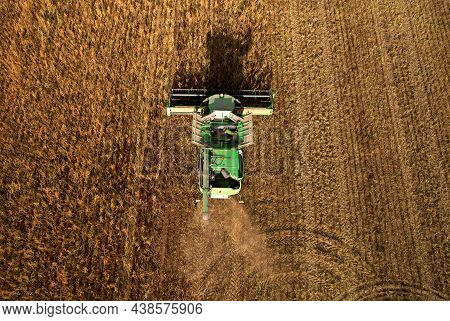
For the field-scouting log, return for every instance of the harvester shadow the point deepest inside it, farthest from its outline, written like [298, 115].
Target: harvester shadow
[228, 55]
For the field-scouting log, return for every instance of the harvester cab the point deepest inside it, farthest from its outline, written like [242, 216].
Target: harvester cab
[222, 125]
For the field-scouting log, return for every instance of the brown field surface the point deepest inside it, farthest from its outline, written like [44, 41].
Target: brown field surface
[346, 189]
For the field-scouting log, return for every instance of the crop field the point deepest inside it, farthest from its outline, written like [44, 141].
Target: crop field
[345, 190]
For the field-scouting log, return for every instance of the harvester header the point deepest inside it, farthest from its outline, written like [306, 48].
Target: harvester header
[187, 101]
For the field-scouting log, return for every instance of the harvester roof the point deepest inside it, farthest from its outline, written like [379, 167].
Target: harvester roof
[221, 102]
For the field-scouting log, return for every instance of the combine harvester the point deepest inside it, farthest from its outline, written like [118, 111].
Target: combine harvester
[221, 126]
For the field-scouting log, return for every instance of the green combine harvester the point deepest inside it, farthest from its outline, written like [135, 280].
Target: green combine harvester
[222, 125]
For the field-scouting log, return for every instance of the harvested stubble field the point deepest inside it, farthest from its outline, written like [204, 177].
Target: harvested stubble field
[346, 188]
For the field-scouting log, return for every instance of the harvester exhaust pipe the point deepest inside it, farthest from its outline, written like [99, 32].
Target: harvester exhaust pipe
[205, 183]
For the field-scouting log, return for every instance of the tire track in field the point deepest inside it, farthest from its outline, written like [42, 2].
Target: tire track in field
[330, 244]
[430, 45]
[304, 61]
[424, 182]
[324, 186]
[380, 191]
[388, 290]
[359, 132]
